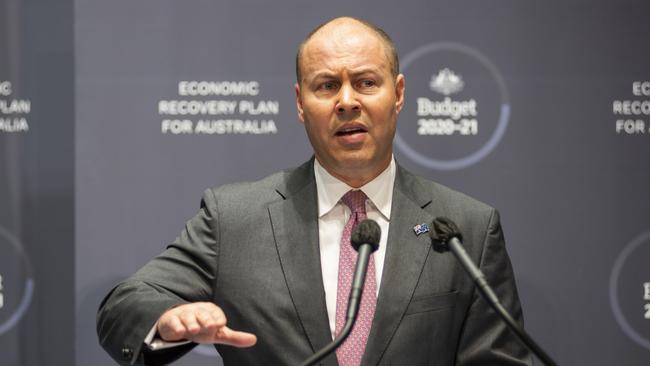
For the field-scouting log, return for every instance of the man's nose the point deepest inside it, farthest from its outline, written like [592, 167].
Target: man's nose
[348, 100]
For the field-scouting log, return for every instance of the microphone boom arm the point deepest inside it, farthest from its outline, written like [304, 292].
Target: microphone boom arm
[492, 299]
[353, 305]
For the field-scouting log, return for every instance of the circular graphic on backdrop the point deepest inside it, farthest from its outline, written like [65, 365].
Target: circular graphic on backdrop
[457, 107]
[16, 283]
[629, 290]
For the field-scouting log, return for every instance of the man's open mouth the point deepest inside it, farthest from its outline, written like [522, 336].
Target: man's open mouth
[350, 131]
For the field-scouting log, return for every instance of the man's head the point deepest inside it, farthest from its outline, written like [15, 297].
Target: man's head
[348, 95]
[380, 33]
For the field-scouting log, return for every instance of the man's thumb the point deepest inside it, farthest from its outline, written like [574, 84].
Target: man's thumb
[235, 338]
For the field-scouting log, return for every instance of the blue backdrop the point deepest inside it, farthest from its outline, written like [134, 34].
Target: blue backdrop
[540, 109]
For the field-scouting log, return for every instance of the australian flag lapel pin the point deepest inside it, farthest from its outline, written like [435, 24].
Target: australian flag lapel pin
[421, 229]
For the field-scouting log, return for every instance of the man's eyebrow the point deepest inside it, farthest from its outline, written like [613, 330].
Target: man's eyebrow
[324, 74]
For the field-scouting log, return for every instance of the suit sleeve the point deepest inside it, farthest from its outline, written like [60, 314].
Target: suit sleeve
[485, 339]
[185, 272]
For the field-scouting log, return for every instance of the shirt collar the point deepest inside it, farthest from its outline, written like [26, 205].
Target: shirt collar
[379, 190]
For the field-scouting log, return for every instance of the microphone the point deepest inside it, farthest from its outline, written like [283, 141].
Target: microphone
[365, 240]
[446, 235]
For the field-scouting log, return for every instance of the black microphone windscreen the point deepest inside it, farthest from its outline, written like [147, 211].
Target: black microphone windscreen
[366, 232]
[443, 230]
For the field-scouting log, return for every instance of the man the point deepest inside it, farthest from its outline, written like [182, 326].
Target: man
[259, 271]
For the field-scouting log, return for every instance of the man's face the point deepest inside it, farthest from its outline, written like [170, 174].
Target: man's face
[349, 100]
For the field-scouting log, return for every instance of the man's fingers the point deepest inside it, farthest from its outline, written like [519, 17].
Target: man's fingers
[202, 323]
[217, 314]
[189, 321]
[209, 322]
[171, 329]
[235, 338]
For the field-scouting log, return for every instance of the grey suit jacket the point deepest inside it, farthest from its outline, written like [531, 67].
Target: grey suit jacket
[253, 250]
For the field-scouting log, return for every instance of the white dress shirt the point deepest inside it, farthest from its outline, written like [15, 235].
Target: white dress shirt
[332, 217]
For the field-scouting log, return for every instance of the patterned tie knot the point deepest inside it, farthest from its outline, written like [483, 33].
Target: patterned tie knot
[356, 201]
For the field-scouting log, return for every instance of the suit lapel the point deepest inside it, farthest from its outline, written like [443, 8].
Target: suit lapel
[295, 228]
[406, 254]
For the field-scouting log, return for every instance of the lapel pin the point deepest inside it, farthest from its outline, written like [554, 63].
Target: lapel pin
[421, 229]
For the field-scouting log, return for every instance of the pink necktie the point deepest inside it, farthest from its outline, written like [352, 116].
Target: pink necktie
[351, 351]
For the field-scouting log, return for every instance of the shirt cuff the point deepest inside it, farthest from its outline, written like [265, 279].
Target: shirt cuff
[154, 343]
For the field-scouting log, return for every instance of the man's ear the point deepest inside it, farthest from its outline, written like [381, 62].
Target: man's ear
[299, 104]
[400, 88]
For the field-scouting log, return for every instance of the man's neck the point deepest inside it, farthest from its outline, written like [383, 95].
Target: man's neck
[356, 177]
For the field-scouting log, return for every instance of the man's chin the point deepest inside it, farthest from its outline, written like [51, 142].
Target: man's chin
[359, 162]
[354, 160]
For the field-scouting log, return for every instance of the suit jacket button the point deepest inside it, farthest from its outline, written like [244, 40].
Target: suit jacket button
[127, 353]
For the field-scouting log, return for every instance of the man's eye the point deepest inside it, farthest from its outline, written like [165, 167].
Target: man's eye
[328, 86]
[368, 83]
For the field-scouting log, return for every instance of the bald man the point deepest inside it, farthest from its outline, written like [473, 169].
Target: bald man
[270, 296]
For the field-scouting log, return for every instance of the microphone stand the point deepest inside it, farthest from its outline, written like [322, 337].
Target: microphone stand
[492, 299]
[353, 305]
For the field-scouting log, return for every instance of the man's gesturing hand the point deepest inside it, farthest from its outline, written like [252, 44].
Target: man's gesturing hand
[201, 322]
